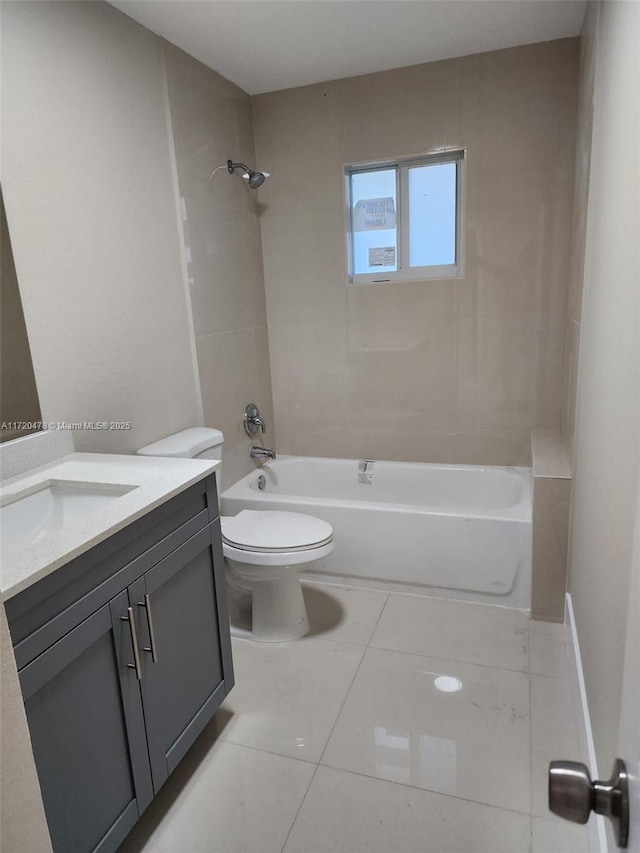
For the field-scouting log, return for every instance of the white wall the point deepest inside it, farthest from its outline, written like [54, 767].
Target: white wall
[88, 187]
[608, 406]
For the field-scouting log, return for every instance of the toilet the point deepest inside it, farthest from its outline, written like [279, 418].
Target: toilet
[264, 552]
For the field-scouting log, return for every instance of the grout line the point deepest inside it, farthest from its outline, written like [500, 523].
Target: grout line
[307, 639]
[547, 675]
[531, 834]
[311, 578]
[385, 590]
[268, 751]
[317, 638]
[346, 696]
[382, 609]
[229, 331]
[302, 801]
[454, 660]
[427, 790]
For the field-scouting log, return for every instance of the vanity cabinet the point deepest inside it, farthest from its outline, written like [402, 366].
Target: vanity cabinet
[178, 626]
[88, 734]
[123, 671]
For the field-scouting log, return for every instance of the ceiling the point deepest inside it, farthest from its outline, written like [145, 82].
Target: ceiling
[264, 45]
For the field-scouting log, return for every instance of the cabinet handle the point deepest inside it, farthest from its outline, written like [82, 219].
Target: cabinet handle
[134, 642]
[152, 636]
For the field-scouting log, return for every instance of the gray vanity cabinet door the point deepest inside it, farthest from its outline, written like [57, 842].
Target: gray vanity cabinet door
[192, 671]
[85, 718]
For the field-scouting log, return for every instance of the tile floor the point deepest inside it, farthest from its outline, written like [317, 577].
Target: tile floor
[401, 724]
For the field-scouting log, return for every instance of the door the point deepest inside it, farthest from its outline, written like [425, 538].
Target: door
[572, 793]
[629, 735]
[85, 717]
[185, 648]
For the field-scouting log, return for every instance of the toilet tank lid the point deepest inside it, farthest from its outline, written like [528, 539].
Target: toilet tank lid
[185, 444]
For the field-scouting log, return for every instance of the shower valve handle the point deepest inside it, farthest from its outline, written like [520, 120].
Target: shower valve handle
[252, 420]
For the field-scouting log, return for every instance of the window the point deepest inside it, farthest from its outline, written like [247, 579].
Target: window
[404, 219]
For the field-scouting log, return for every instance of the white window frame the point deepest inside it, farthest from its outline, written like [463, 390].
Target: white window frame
[407, 273]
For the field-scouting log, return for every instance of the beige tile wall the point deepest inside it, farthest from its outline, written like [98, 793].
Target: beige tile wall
[457, 370]
[579, 226]
[211, 122]
[551, 502]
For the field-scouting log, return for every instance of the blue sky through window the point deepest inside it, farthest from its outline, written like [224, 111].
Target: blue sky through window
[432, 215]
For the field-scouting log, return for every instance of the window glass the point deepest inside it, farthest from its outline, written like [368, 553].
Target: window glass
[432, 215]
[405, 219]
[373, 221]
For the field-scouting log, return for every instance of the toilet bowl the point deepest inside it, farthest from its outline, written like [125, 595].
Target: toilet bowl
[264, 552]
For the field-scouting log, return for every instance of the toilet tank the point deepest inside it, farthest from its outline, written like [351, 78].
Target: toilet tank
[193, 443]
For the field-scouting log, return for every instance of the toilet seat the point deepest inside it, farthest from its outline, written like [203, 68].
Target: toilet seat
[274, 532]
[258, 561]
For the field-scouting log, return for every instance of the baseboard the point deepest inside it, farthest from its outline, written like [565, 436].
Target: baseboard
[597, 833]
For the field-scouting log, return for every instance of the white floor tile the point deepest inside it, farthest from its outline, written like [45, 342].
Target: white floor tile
[551, 654]
[408, 767]
[554, 734]
[342, 613]
[287, 696]
[237, 800]
[559, 836]
[399, 724]
[346, 813]
[473, 633]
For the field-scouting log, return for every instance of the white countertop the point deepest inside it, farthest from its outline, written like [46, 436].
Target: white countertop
[152, 481]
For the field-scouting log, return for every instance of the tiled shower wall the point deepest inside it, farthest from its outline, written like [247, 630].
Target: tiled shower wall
[458, 370]
[579, 225]
[211, 123]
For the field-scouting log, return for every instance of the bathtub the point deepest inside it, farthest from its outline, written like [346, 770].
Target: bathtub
[456, 531]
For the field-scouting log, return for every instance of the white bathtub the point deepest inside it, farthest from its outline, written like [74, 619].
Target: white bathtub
[458, 531]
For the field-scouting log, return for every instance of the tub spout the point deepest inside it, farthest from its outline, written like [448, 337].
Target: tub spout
[261, 452]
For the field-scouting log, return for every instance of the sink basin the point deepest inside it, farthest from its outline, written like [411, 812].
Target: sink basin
[54, 504]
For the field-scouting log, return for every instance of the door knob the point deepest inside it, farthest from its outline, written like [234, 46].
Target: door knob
[573, 796]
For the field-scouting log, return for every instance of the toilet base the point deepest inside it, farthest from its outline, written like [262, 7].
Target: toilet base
[247, 634]
[278, 611]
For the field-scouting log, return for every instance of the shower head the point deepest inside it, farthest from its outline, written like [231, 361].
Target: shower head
[255, 179]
